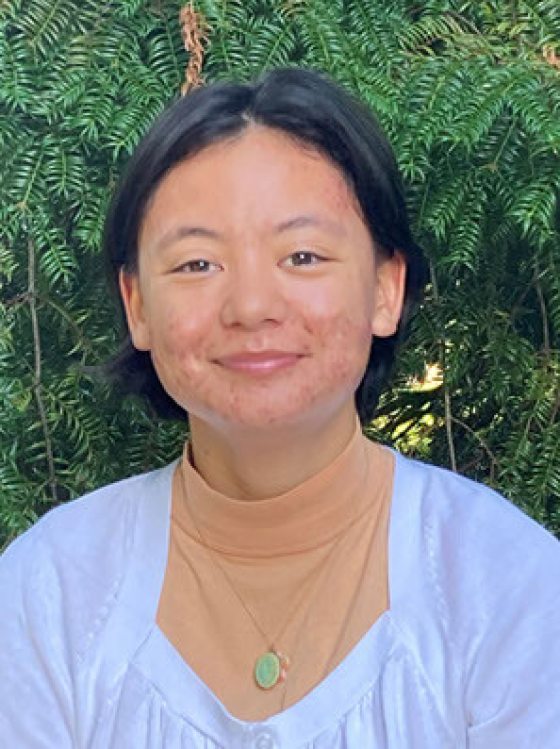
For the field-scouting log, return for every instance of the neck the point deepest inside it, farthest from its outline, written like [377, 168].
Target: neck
[255, 464]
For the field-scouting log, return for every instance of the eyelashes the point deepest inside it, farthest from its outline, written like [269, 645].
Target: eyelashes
[305, 257]
[199, 265]
[298, 259]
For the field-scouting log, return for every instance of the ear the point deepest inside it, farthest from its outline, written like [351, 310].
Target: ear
[390, 275]
[131, 295]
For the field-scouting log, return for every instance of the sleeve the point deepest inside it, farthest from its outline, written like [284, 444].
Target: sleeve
[513, 684]
[35, 686]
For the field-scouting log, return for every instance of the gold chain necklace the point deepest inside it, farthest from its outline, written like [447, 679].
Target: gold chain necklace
[271, 667]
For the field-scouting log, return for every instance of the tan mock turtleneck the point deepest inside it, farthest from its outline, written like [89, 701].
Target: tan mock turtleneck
[311, 565]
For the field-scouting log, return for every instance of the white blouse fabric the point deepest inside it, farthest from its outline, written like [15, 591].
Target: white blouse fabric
[468, 654]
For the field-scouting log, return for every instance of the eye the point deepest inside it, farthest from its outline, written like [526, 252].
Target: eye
[199, 265]
[303, 257]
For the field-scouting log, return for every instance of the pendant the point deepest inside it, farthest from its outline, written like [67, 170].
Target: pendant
[270, 669]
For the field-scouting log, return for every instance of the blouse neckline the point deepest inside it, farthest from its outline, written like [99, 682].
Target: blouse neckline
[162, 666]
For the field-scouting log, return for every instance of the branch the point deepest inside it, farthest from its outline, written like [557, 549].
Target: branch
[446, 393]
[193, 30]
[544, 316]
[493, 461]
[461, 19]
[14, 301]
[84, 342]
[37, 384]
[555, 409]
[448, 428]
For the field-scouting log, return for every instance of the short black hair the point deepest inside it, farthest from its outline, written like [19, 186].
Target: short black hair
[317, 112]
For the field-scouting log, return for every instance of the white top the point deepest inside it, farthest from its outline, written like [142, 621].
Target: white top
[468, 654]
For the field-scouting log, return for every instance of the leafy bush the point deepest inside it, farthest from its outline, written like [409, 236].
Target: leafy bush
[469, 95]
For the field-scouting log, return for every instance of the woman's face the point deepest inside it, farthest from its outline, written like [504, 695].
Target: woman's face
[258, 289]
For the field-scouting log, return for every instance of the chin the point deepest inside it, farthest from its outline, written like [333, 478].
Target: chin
[270, 404]
[281, 414]
[257, 418]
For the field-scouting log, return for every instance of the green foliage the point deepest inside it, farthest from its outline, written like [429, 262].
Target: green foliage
[469, 94]
[80, 84]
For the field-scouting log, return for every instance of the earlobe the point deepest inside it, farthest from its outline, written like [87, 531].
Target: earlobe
[390, 287]
[131, 295]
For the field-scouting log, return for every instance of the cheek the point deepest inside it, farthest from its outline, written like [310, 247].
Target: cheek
[179, 345]
[340, 317]
[336, 336]
[184, 330]
[346, 343]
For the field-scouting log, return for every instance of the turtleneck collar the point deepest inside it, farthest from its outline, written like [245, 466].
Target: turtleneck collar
[307, 516]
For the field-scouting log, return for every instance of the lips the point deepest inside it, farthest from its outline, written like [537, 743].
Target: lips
[263, 362]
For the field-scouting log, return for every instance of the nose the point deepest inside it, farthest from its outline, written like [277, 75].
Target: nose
[254, 297]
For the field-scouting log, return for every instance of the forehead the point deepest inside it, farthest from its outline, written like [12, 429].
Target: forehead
[261, 175]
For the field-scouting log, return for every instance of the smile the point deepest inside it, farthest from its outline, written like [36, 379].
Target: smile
[263, 363]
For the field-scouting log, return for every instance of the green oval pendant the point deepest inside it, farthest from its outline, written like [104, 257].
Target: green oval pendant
[267, 670]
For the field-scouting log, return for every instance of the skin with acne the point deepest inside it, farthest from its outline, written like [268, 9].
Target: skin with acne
[258, 288]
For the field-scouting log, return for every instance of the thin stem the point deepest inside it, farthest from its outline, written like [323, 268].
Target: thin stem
[37, 383]
[449, 428]
[504, 142]
[84, 342]
[446, 394]
[482, 442]
[14, 301]
[544, 317]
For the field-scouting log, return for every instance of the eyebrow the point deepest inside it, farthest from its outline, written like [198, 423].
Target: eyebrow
[309, 219]
[183, 232]
[297, 222]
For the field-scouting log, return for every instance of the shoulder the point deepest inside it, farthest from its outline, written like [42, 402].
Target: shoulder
[467, 554]
[476, 595]
[469, 559]
[71, 562]
[81, 528]
[61, 586]
[466, 520]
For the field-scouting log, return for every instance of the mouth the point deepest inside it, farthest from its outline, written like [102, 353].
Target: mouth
[261, 363]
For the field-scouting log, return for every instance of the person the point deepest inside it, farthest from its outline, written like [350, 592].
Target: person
[286, 583]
